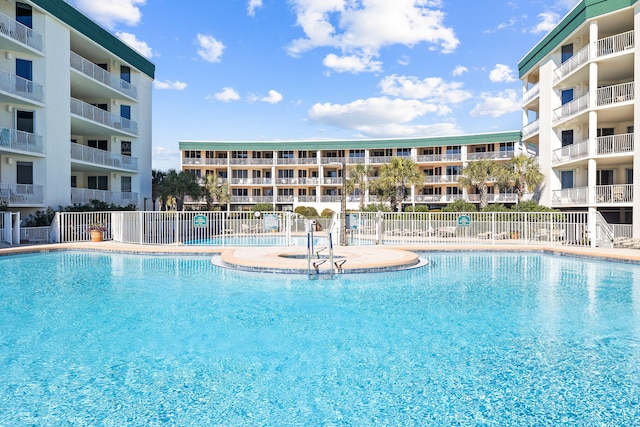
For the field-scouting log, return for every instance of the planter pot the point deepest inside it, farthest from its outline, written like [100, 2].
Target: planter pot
[97, 236]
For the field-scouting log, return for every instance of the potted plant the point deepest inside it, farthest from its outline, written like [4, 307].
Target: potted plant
[97, 229]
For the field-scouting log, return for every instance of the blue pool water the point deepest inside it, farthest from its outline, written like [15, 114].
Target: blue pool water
[474, 339]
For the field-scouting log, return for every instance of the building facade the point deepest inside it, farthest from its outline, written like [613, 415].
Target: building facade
[579, 107]
[288, 174]
[75, 110]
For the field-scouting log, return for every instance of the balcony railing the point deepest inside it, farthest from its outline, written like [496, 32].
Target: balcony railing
[570, 108]
[330, 199]
[355, 160]
[13, 139]
[435, 179]
[284, 199]
[580, 58]
[22, 87]
[617, 193]
[530, 94]
[307, 199]
[531, 129]
[203, 161]
[571, 152]
[380, 159]
[260, 161]
[251, 199]
[101, 75]
[492, 155]
[571, 196]
[102, 157]
[615, 44]
[332, 160]
[21, 194]
[85, 195]
[19, 32]
[103, 117]
[331, 180]
[614, 144]
[616, 93]
[431, 158]
[494, 198]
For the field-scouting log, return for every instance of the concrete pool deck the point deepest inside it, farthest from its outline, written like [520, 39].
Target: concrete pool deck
[358, 258]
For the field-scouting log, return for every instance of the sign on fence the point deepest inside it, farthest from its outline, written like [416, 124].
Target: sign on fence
[200, 221]
[464, 221]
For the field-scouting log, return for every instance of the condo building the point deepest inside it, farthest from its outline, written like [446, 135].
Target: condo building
[579, 108]
[75, 110]
[288, 174]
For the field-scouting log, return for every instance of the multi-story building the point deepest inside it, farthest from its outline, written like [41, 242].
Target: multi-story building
[579, 108]
[75, 110]
[287, 174]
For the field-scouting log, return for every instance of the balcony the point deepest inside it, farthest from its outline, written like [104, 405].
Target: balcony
[330, 199]
[22, 37]
[531, 94]
[494, 198]
[284, 199]
[531, 129]
[380, 159]
[328, 180]
[618, 193]
[101, 118]
[441, 179]
[570, 196]
[251, 199]
[615, 44]
[15, 140]
[307, 199]
[103, 158]
[615, 94]
[355, 160]
[332, 160]
[14, 86]
[571, 152]
[85, 195]
[260, 161]
[21, 194]
[614, 144]
[100, 75]
[491, 155]
[434, 158]
[569, 66]
[571, 108]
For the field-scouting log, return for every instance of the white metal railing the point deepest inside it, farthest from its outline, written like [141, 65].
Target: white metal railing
[531, 129]
[622, 230]
[35, 234]
[435, 179]
[380, 159]
[102, 157]
[355, 160]
[331, 180]
[494, 198]
[492, 155]
[612, 144]
[20, 86]
[426, 158]
[615, 94]
[616, 43]
[251, 199]
[580, 58]
[334, 161]
[604, 233]
[574, 151]
[570, 108]
[15, 30]
[18, 140]
[101, 75]
[21, 194]
[86, 195]
[571, 196]
[102, 117]
[617, 193]
[530, 94]
[330, 199]
[261, 161]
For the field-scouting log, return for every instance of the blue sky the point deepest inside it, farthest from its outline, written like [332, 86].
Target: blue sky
[269, 70]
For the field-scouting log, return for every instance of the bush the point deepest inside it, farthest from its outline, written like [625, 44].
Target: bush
[496, 207]
[326, 213]
[261, 207]
[97, 206]
[40, 218]
[377, 207]
[460, 206]
[532, 206]
[306, 211]
[419, 208]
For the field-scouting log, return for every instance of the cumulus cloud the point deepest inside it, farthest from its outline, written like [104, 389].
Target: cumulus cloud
[362, 28]
[497, 105]
[253, 5]
[459, 70]
[501, 74]
[225, 95]
[110, 13]
[167, 84]
[433, 89]
[274, 97]
[351, 63]
[130, 39]
[548, 20]
[210, 49]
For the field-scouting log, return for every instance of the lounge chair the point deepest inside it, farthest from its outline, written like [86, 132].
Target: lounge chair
[449, 231]
[485, 235]
[558, 235]
[502, 235]
[542, 234]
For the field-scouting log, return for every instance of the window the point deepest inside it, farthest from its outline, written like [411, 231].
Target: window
[125, 112]
[454, 170]
[255, 174]
[454, 190]
[192, 154]
[125, 148]
[210, 154]
[97, 182]
[24, 173]
[454, 149]
[567, 96]
[302, 154]
[604, 177]
[567, 52]
[24, 14]
[256, 192]
[223, 174]
[285, 154]
[125, 184]
[24, 69]
[605, 131]
[567, 137]
[566, 179]
[239, 155]
[302, 174]
[506, 146]
[239, 192]
[629, 173]
[285, 191]
[356, 153]
[302, 192]
[125, 73]
[240, 173]
[74, 181]
[285, 173]
[99, 144]
[24, 121]
[197, 173]
[403, 152]
[104, 107]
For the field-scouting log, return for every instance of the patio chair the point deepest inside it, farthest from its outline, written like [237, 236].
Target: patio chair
[449, 231]
[542, 234]
[485, 235]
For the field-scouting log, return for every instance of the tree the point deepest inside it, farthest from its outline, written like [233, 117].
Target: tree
[460, 206]
[396, 178]
[522, 173]
[179, 185]
[216, 192]
[358, 175]
[156, 183]
[477, 174]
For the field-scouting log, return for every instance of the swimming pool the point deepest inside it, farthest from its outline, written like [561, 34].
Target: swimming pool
[489, 339]
[257, 240]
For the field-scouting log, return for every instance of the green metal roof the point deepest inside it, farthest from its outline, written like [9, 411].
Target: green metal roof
[483, 138]
[585, 10]
[75, 19]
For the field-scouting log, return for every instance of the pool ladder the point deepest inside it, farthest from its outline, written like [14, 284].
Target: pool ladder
[314, 262]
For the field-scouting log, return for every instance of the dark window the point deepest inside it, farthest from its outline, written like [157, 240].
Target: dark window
[104, 107]
[604, 177]
[97, 182]
[567, 52]
[24, 121]
[629, 173]
[125, 111]
[24, 173]
[125, 148]
[403, 152]
[285, 154]
[605, 131]
[74, 181]
[567, 137]
[99, 144]
[125, 73]
[24, 69]
[567, 96]
[566, 179]
[454, 149]
[24, 14]
[125, 184]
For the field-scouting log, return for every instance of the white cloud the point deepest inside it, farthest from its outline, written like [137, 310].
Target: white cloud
[548, 21]
[274, 97]
[109, 13]
[504, 102]
[362, 28]
[142, 47]
[352, 63]
[210, 49]
[253, 5]
[460, 70]
[225, 95]
[167, 84]
[501, 74]
[433, 89]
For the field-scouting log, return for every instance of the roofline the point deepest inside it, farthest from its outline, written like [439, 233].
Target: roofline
[84, 25]
[481, 138]
[583, 11]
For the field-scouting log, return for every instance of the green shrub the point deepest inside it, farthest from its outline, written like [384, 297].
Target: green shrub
[261, 207]
[306, 211]
[326, 213]
[377, 207]
[419, 208]
[460, 206]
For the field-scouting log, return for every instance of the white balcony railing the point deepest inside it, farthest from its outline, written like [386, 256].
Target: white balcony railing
[380, 159]
[436, 179]
[614, 144]
[13, 139]
[22, 87]
[530, 94]
[101, 157]
[571, 196]
[531, 129]
[570, 108]
[85, 195]
[101, 75]
[616, 43]
[617, 193]
[17, 31]
[332, 160]
[431, 158]
[574, 151]
[102, 117]
[21, 194]
[570, 65]
[616, 93]
[492, 155]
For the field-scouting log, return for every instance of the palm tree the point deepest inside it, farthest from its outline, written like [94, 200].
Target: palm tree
[215, 191]
[179, 185]
[397, 177]
[358, 176]
[522, 173]
[156, 183]
[477, 174]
